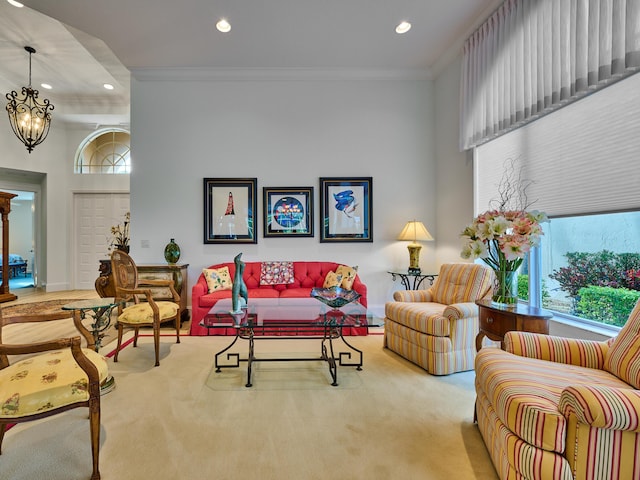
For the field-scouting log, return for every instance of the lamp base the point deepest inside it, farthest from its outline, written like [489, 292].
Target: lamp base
[414, 257]
[416, 271]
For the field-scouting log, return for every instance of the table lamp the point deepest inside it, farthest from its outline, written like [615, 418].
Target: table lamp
[414, 231]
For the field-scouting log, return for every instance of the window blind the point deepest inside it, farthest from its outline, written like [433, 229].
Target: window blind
[581, 159]
[532, 57]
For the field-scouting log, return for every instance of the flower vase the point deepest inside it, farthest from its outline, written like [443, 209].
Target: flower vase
[172, 252]
[123, 248]
[505, 291]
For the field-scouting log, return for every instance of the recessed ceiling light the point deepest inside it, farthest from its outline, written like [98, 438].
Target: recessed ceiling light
[15, 4]
[403, 27]
[108, 86]
[223, 25]
[46, 85]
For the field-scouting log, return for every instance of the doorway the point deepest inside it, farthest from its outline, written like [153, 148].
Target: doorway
[23, 239]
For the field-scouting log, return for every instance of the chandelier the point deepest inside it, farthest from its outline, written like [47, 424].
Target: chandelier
[30, 119]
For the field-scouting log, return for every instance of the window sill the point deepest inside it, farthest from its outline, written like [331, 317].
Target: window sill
[586, 326]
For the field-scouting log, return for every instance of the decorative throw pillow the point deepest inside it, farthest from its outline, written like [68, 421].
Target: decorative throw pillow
[332, 280]
[623, 356]
[348, 275]
[217, 279]
[276, 273]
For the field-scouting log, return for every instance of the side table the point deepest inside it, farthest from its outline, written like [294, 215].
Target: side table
[418, 278]
[99, 311]
[496, 321]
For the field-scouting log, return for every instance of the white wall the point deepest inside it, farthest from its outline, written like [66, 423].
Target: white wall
[52, 163]
[286, 131]
[454, 169]
[402, 132]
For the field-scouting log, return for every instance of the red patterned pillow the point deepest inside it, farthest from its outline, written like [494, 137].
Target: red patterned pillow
[276, 273]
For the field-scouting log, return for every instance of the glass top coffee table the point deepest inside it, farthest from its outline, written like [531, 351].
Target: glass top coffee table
[291, 319]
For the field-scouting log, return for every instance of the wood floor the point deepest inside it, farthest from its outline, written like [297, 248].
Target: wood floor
[29, 295]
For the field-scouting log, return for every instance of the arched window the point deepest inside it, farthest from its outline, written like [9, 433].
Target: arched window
[105, 151]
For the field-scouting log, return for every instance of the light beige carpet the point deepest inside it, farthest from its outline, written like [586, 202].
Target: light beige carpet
[182, 421]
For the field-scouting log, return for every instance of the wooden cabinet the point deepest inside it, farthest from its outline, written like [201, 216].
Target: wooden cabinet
[177, 273]
[496, 321]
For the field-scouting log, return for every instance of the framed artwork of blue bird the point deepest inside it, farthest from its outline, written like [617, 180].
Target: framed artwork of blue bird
[346, 209]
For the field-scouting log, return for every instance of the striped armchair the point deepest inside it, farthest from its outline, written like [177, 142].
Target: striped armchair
[558, 408]
[436, 328]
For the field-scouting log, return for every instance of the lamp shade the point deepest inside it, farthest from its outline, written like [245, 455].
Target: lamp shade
[415, 231]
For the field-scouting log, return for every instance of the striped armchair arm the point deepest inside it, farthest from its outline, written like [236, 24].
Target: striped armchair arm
[603, 407]
[571, 351]
[413, 296]
[457, 311]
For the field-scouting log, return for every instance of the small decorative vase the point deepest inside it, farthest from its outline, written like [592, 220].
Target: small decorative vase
[172, 252]
[505, 291]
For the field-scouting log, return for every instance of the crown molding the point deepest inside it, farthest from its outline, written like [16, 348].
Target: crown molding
[276, 74]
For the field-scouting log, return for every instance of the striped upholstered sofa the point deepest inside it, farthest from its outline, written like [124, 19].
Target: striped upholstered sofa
[436, 328]
[558, 408]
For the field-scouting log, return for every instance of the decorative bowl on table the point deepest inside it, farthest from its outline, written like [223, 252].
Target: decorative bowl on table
[335, 297]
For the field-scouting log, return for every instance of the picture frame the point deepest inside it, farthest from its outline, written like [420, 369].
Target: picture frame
[346, 209]
[230, 210]
[288, 211]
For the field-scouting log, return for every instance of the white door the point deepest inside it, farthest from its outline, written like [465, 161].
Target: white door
[93, 216]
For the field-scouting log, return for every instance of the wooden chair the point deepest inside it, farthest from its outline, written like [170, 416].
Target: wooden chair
[149, 313]
[60, 377]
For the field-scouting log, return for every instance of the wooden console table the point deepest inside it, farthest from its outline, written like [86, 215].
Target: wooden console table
[176, 272]
[496, 321]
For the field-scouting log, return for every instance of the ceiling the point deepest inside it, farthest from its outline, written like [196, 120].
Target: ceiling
[92, 42]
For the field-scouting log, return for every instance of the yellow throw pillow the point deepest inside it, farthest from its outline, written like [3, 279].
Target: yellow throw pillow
[332, 280]
[348, 275]
[217, 279]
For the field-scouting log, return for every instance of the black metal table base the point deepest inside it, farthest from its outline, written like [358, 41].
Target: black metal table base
[352, 358]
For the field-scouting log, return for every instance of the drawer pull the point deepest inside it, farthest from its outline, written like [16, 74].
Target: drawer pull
[489, 320]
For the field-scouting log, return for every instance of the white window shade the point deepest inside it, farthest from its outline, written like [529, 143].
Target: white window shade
[533, 57]
[583, 158]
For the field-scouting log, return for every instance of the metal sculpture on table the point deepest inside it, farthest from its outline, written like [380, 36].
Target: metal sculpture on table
[239, 295]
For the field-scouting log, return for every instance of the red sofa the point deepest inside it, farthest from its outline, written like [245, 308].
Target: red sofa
[307, 275]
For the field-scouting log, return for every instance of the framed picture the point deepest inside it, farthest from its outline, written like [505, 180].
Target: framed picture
[230, 210]
[346, 209]
[288, 211]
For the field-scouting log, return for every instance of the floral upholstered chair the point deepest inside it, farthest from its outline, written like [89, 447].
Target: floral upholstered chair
[145, 313]
[51, 377]
[436, 328]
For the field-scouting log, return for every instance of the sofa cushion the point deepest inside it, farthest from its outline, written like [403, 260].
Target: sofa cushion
[276, 273]
[525, 393]
[217, 278]
[211, 299]
[425, 317]
[295, 293]
[623, 356]
[332, 280]
[460, 282]
[348, 275]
